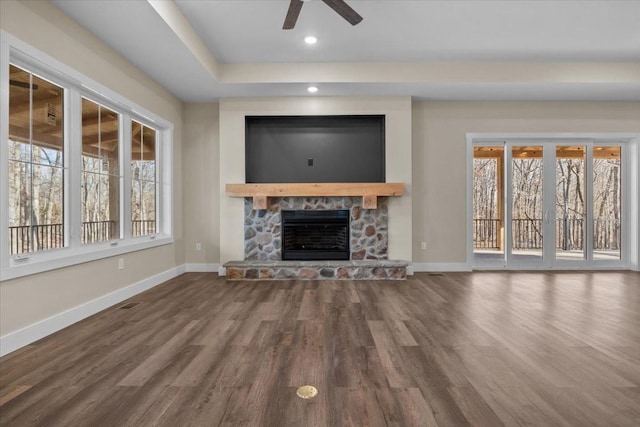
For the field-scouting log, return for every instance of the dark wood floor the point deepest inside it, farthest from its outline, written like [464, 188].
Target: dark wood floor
[482, 349]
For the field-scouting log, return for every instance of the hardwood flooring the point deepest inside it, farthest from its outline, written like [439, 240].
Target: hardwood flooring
[455, 349]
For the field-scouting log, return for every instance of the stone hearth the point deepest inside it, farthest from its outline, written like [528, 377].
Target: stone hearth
[317, 270]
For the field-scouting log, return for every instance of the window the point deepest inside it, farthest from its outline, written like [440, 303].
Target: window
[35, 163]
[76, 159]
[143, 179]
[100, 188]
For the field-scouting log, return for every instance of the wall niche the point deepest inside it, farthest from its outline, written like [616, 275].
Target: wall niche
[306, 149]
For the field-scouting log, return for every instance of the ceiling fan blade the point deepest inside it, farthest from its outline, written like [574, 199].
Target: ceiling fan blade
[344, 10]
[24, 85]
[292, 14]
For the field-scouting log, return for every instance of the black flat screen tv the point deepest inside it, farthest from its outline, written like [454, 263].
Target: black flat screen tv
[303, 149]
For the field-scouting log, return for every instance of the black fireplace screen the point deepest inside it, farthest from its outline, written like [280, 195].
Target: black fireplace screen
[315, 235]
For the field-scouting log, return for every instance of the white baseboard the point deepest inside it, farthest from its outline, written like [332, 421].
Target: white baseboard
[222, 271]
[202, 268]
[29, 334]
[441, 266]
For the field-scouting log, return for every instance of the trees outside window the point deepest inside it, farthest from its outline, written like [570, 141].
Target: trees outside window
[581, 219]
[101, 176]
[607, 202]
[35, 163]
[84, 172]
[143, 179]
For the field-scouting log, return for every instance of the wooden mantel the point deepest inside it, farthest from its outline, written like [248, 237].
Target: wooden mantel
[369, 191]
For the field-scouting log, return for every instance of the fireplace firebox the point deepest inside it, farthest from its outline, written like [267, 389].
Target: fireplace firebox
[315, 235]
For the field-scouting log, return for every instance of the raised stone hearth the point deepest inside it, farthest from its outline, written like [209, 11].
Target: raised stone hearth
[316, 270]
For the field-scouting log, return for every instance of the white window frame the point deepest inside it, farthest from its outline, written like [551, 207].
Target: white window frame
[76, 86]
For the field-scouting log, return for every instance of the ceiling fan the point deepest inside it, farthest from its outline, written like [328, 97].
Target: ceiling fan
[339, 6]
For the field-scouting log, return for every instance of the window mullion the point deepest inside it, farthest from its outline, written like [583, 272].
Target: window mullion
[588, 232]
[73, 168]
[156, 183]
[4, 166]
[125, 165]
[159, 183]
[628, 199]
[30, 197]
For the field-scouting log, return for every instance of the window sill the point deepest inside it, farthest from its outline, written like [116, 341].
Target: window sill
[66, 257]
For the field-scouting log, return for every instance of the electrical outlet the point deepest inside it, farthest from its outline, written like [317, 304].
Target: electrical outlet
[424, 246]
[198, 246]
[120, 263]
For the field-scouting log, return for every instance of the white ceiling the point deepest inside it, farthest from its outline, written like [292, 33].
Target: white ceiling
[396, 30]
[393, 31]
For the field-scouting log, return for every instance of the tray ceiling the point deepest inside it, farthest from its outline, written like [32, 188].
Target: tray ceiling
[205, 50]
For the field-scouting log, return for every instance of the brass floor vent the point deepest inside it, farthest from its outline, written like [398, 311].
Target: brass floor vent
[307, 392]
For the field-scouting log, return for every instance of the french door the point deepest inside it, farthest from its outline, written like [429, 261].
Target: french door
[548, 204]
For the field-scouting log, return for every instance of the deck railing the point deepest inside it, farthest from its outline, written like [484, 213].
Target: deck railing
[98, 231]
[51, 236]
[143, 227]
[527, 233]
[44, 237]
[486, 233]
[607, 234]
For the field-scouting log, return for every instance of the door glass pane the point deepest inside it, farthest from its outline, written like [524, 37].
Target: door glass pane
[570, 202]
[607, 203]
[488, 203]
[527, 209]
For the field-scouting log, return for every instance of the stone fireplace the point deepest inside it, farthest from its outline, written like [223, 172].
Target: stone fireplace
[368, 232]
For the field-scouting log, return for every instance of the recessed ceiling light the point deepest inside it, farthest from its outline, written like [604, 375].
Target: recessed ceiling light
[312, 89]
[310, 40]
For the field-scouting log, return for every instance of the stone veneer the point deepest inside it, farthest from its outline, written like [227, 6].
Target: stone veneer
[262, 229]
[317, 270]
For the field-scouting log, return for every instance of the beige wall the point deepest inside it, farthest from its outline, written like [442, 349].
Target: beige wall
[33, 298]
[398, 158]
[439, 157]
[201, 183]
